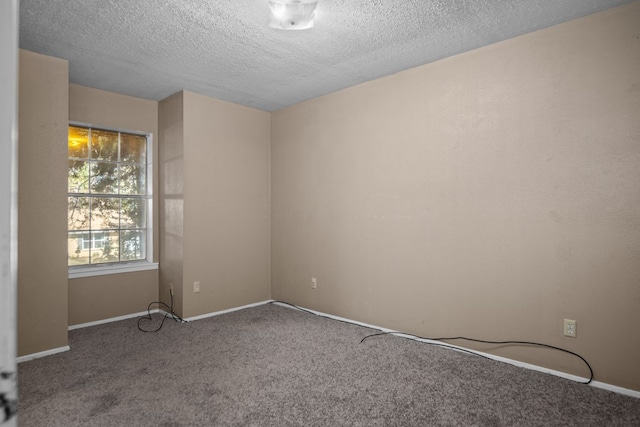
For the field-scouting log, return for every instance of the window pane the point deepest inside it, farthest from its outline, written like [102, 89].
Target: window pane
[105, 213]
[97, 240]
[75, 253]
[78, 142]
[133, 213]
[78, 176]
[132, 179]
[133, 245]
[78, 213]
[133, 148]
[104, 145]
[106, 247]
[104, 178]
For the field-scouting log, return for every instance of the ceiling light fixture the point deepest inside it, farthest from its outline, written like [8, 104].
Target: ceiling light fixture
[292, 14]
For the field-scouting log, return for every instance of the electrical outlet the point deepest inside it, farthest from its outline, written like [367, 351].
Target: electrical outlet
[196, 287]
[314, 283]
[171, 288]
[570, 328]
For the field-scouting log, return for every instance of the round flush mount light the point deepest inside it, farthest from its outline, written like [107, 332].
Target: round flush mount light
[292, 14]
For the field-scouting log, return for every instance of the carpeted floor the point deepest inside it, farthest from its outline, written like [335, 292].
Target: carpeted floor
[275, 366]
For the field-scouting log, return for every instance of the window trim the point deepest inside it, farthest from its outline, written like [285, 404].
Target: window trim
[78, 271]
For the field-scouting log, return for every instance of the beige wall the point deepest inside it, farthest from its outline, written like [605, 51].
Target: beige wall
[42, 180]
[226, 212]
[103, 297]
[171, 165]
[215, 203]
[490, 195]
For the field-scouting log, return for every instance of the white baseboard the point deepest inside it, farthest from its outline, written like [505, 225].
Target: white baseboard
[230, 310]
[616, 389]
[111, 319]
[598, 384]
[45, 353]
[144, 313]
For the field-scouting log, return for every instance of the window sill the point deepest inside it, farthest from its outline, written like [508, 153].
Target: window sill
[101, 270]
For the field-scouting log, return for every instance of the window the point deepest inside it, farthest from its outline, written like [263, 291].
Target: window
[108, 197]
[89, 241]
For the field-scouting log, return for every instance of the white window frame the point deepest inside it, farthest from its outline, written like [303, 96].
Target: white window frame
[78, 271]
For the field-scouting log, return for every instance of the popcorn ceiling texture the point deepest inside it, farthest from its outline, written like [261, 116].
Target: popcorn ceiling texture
[225, 49]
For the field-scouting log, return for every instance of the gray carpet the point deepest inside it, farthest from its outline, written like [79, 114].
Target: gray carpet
[274, 366]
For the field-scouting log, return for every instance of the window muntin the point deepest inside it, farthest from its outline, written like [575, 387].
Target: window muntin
[108, 197]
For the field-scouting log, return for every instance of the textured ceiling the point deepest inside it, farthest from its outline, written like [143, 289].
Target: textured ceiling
[225, 48]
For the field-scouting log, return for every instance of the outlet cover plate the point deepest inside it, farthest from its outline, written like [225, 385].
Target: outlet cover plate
[570, 328]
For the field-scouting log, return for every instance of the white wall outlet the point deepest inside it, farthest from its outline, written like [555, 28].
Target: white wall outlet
[314, 283]
[196, 287]
[171, 288]
[570, 328]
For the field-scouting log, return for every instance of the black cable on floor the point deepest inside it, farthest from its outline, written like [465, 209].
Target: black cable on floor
[537, 344]
[171, 313]
[463, 350]
[451, 346]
